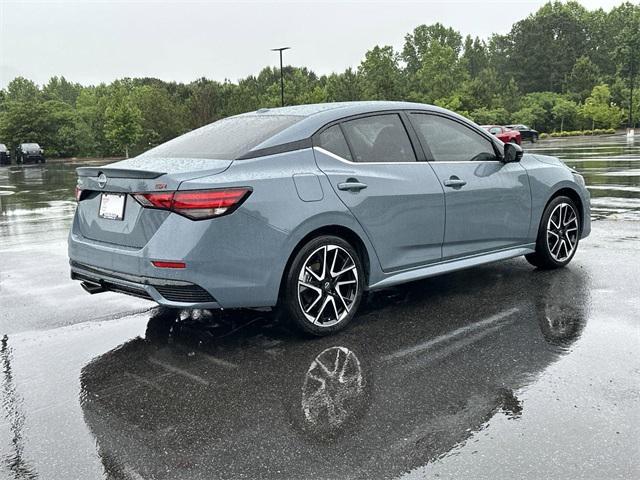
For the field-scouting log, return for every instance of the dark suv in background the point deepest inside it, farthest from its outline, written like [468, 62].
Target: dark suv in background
[5, 155]
[29, 152]
[526, 133]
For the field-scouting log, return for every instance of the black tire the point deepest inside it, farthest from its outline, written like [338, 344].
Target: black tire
[331, 303]
[534, 139]
[546, 256]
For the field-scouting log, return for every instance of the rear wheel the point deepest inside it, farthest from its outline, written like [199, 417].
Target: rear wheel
[534, 139]
[323, 286]
[558, 235]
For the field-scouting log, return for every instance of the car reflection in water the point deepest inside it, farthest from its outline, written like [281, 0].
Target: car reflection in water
[235, 395]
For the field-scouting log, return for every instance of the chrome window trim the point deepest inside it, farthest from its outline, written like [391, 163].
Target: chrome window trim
[349, 162]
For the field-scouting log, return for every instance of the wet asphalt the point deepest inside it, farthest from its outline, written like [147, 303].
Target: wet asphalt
[501, 371]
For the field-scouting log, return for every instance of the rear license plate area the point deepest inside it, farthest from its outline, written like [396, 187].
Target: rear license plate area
[112, 206]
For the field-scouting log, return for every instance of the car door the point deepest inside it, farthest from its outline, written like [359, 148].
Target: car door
[373, 167]
[488, 202]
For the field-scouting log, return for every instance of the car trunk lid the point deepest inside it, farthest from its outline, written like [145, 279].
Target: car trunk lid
[136, 175]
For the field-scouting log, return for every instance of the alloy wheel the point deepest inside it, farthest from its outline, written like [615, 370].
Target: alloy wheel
[327, 285]
[562, 232]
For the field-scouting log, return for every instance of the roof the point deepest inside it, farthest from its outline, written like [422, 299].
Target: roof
[315, 116]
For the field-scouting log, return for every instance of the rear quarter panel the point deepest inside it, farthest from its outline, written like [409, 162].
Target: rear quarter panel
[275, 218]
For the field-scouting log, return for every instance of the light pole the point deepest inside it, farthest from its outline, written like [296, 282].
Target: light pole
[281, 49]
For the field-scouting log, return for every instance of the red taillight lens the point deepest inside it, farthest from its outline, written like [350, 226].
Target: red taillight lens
[197, 204]
[155, 200]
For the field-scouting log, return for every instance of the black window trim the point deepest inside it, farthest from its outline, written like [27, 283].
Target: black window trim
[409, 130]
[281, 148]
[481, 132]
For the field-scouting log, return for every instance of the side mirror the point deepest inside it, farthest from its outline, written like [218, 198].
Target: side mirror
[512, 153]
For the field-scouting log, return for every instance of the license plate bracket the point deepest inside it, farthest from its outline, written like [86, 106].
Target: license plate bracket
[112, 206]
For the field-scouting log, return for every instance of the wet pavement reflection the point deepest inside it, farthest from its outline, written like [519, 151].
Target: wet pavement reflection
[236, 396]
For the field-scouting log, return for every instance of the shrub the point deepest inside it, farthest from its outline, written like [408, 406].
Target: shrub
[576, 133]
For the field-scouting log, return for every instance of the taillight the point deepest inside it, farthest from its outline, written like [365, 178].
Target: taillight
[196, 204]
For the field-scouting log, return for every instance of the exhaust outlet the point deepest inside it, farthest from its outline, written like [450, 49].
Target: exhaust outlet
[92, 288]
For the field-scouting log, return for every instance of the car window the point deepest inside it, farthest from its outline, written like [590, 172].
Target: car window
[495, 130]
[380, 138]
[3, 147]
[226, 139]
[450, 141]
[333, 140]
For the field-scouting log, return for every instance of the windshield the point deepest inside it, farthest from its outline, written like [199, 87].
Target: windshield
[3, 147]
[30, 145]
[225, 139]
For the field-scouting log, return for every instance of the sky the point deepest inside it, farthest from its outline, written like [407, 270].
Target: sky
[90, 41]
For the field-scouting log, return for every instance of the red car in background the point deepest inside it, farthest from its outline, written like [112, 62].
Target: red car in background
[504, 134]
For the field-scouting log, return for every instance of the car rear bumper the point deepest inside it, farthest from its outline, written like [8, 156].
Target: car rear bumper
[221, 256]
[171, 293]
[32, 158]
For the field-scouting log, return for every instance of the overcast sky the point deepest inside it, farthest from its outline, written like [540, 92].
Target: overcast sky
[91, 41]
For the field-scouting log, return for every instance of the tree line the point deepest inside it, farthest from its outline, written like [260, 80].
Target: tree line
[562, 68]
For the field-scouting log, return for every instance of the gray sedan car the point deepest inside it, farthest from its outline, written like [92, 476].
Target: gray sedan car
[306, 208]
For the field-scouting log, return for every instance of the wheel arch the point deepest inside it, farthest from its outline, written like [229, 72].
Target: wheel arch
[337, 230]
[573, 195]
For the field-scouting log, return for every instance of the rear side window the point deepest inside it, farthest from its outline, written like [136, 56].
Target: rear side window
[450, 141]
[380, 138]
[226, 139]
[333, 140]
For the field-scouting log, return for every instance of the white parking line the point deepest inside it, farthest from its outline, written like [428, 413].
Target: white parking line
[451, 335]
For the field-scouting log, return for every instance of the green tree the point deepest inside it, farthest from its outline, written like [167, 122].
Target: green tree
[380, 73]
[59, 88]
[599, 110]
[627, 52]
[343, 87]
[486, 116]
[162, 118]
[22, 90]
[475, 56]
[541, 50]
[583, 77]
[564, 111]
[434, 69]
[123, 126]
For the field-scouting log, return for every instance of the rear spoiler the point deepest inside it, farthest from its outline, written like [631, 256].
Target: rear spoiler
[117, 172]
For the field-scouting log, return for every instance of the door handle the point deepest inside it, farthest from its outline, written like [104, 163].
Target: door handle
[454, 182]
[352, 186]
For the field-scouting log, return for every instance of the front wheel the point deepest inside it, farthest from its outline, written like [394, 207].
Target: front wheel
[558, 235]
[323, 286]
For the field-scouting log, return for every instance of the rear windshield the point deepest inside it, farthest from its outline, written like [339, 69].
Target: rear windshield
[225, 139]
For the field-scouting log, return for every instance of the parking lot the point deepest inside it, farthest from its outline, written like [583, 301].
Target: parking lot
[500, 371]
